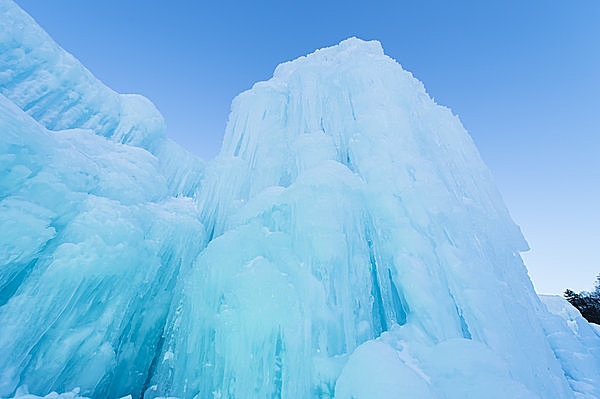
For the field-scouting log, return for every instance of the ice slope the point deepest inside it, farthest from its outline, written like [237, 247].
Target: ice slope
[575, 342]
[90, 250]
[92, 238]
[357, 243]
[56, 90]
[347, 242]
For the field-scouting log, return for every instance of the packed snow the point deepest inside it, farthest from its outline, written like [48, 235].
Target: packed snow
[347, 242]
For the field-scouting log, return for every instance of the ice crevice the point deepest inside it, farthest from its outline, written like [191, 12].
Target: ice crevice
[379, 318]
[346, 242]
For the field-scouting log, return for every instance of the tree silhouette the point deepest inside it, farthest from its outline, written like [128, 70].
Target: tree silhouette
[588, 303]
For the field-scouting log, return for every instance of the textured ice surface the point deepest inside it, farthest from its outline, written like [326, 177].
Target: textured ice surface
[355, 205]
[576, 344]
[92, 239]
[348, 241]
[50, 85]
[23, 393]
[91, 246]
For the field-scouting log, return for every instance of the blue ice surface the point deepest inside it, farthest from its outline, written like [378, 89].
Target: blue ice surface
[347, 242]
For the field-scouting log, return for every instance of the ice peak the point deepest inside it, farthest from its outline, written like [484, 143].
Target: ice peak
[349, 49]
[352, 45]
[69, 96]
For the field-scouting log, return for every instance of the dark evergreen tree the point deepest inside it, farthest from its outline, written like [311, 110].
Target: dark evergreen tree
[588, 303]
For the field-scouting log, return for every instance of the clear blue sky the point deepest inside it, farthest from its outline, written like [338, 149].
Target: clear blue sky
[524, 77]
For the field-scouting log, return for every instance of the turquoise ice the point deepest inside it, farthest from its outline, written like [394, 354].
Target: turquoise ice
[347, 242]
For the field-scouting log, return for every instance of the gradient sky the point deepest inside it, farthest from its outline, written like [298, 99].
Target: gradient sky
[524, 77]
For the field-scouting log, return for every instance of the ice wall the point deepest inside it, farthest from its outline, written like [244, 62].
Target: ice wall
[354, 228]
[54, 88]
[92, 239]
[347, 242]
[90, 250]
[576, 344]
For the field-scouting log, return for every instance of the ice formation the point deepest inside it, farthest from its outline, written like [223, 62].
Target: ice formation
[347, 242]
